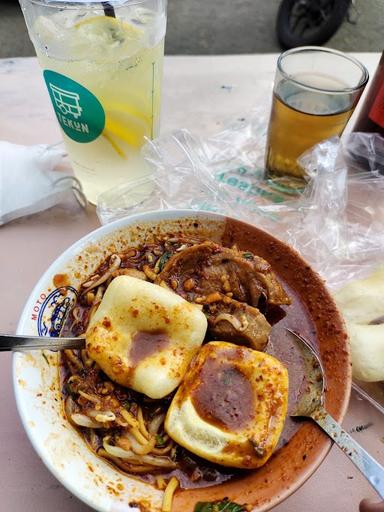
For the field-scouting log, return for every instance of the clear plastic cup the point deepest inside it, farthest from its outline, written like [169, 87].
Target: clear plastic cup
[102, 63]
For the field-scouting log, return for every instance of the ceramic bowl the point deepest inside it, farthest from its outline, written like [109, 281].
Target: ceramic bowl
[62, 449]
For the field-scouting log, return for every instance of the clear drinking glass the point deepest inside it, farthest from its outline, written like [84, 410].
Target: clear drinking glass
[102, 64]
[315, 93]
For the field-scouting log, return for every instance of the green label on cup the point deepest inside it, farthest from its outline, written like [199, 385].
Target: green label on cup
[78, 111]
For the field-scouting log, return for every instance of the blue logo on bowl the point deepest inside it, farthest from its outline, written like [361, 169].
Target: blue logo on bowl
[54, 311]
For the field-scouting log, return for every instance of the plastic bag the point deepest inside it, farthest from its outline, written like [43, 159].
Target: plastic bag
[364, 152]
[223, 173]
[336, 222]
[342, 233]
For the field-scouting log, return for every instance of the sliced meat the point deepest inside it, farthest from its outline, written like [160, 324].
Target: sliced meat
[207, 267]
[249, 277]
[237, 322]
[183, 272]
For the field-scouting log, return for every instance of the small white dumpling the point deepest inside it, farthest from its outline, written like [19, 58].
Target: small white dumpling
[362, 305]
[144, 336]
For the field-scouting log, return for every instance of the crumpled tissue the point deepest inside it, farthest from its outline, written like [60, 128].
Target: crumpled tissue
[28, 182]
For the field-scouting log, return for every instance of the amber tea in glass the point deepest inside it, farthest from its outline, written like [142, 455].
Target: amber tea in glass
[315, 93]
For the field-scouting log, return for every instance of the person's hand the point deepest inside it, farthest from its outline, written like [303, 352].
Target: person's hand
[371, 506]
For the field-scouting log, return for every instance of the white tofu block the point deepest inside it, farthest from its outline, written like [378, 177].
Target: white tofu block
[144, 336]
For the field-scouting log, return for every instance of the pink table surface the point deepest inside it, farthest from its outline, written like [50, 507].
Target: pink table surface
[193, 98]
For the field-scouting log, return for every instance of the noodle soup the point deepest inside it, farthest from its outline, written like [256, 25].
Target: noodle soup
[99, 481]
[126, 427]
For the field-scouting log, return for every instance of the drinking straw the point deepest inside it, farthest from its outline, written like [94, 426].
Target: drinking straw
[108, 9]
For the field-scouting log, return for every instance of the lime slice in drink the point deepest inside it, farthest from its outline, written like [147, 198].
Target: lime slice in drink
[115, 40]
[106, 32]
[122, 126]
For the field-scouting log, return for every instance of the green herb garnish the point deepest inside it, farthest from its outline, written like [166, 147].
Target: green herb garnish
[46, 358]
[163, 260]
[219, 506]
[160, 441]
[130, 406]
[69, 391]
[227, 377]
[248, 255]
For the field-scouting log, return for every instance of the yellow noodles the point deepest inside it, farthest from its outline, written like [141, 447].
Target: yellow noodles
[172, 485]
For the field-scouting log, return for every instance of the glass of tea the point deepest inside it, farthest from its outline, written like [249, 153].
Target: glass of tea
[315, 92]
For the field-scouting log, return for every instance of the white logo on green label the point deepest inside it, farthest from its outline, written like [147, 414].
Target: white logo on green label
[78, 111]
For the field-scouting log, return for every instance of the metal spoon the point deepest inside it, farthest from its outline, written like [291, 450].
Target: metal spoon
[22, 343]
[310, 405]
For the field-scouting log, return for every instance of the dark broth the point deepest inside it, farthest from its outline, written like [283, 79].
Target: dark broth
[192, 471]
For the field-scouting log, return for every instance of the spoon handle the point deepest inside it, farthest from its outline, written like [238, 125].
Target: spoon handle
[20, 343]
[370, 468]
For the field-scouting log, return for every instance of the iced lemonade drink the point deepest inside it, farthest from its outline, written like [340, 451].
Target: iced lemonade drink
[103, 74]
